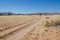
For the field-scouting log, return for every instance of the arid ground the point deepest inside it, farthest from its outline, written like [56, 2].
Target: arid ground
[30, 27]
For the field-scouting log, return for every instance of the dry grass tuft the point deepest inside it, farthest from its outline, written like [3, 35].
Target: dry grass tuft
[53, 21]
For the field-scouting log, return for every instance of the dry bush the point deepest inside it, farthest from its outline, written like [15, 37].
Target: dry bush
[53, 21]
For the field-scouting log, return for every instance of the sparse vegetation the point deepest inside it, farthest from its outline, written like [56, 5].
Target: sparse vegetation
[48, 24]
[53, 22]
[41, 31]
[11, 21]
[57, 23]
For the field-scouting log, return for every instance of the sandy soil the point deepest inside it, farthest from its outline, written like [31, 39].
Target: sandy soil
[41, 32]
[7, 32]
[33, 29]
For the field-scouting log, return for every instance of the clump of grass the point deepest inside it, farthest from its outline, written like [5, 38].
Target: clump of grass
[52, 23]
[57, 23]
[48, 24]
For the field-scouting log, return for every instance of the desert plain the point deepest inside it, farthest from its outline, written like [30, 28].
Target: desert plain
[30, 27]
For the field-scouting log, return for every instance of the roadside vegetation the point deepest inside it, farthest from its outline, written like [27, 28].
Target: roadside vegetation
[53, 21]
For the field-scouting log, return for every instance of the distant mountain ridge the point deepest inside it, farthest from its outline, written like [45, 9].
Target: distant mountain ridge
[6, 13]
[10, 13]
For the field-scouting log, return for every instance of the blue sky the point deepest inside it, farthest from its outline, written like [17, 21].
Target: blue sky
[29, 6]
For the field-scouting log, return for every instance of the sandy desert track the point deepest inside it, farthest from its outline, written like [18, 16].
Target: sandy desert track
[42, 32]
[32, 28]
[17, 32]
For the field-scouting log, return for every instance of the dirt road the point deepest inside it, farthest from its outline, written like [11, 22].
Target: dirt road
[17, 32]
